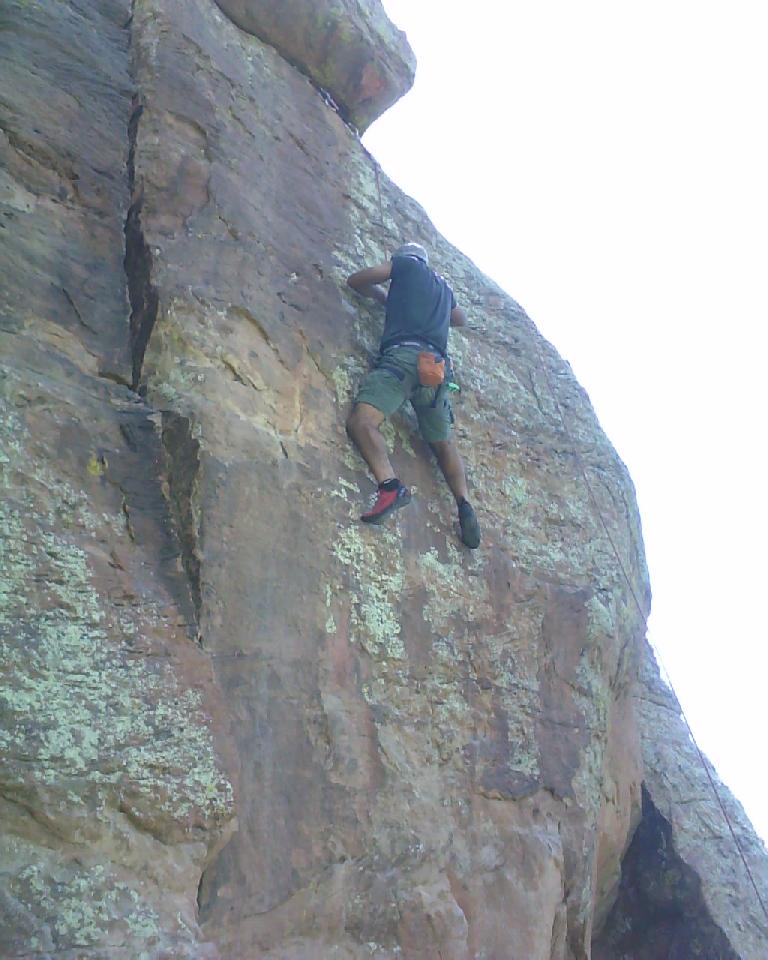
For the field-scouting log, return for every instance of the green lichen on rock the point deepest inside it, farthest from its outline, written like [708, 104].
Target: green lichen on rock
[515, 489]
[451, 594]
[343, 384]
[77, 705]
[397, 435]
[76, 907]
[376, 576]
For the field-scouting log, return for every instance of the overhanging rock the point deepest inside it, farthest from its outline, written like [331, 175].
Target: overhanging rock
[350, 48]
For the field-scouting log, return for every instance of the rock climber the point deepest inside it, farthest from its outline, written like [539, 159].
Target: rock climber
[420, 306]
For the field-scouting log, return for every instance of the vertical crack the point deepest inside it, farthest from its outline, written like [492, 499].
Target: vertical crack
[180, 449]
[142, 294]
[182, 462]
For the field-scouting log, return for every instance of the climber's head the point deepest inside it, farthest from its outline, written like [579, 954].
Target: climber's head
[412, 250]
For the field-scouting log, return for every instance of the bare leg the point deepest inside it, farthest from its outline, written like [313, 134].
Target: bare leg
[452, 467]
[363, 427]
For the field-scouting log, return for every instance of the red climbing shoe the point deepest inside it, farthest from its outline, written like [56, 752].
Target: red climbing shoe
[386, 502]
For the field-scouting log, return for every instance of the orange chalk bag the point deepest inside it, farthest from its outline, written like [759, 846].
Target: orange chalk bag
[431, 369]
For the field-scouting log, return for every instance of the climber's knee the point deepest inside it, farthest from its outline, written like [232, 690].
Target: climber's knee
[446, 451]
[363, 417]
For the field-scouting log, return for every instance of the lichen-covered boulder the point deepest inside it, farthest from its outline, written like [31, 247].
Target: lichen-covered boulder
[350, 48]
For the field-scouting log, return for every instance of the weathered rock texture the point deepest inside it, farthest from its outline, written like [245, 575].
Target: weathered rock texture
[349, 48]
[237, 724]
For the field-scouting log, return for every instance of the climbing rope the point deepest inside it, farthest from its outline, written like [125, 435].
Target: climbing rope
[378, 190]
[599, 514]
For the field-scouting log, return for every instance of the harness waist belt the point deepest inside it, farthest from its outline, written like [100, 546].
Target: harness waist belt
[415, 343]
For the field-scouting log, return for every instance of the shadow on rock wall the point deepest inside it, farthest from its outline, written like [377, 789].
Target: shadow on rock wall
[660, 913]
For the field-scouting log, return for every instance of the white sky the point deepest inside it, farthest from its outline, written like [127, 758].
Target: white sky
[607, 164]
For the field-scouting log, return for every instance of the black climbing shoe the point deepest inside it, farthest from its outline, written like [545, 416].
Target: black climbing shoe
[470, 528]
[386, 502]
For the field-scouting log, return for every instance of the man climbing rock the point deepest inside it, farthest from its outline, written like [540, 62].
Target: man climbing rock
[420, 306]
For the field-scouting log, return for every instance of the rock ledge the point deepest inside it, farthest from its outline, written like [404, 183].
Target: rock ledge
[349, 48]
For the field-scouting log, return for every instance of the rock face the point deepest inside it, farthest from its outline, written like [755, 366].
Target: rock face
[236, 723]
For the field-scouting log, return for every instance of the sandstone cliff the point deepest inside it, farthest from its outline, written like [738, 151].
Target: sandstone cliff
[237, 724]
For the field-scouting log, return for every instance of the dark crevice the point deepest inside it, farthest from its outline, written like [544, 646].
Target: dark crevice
[142, 295]
[660, 912]
[180, 450]
[182, 465]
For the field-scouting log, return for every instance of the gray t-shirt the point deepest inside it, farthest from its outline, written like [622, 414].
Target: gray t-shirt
[419, 305]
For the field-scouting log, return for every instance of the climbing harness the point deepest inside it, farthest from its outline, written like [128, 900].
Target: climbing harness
[610, 539]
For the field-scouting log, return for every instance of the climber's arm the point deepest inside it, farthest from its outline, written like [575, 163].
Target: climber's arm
[365, 282]
[458, 317]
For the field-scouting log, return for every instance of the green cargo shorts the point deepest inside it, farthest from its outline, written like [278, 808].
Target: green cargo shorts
[394, 380]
